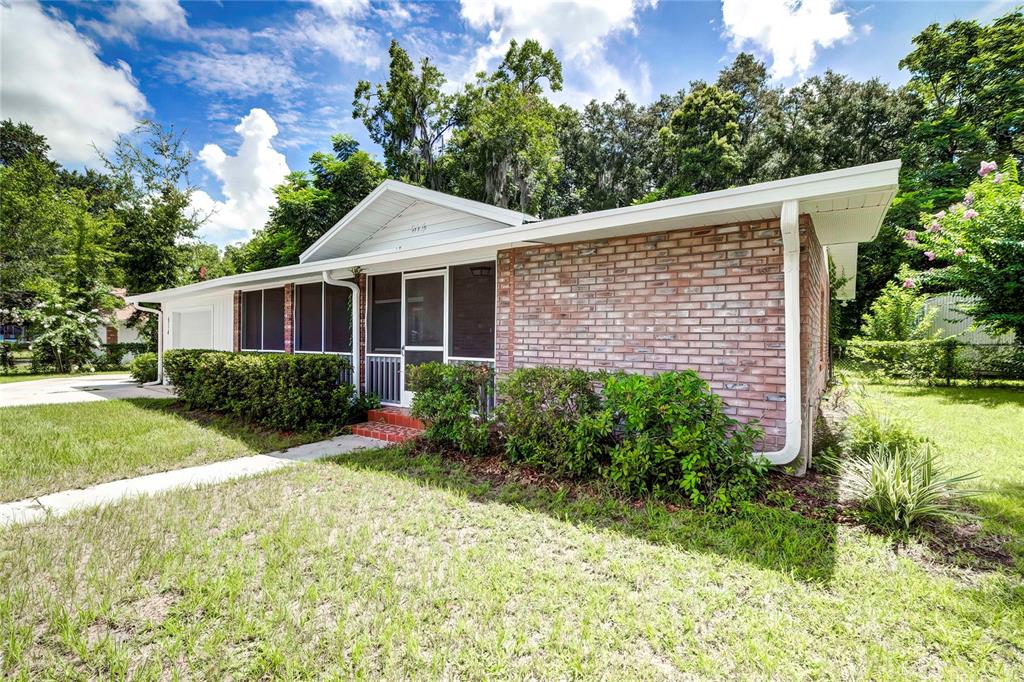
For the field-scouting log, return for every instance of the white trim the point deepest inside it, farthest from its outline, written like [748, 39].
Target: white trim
[872, 178]
[406, 395]
[458, 359]
[354, 288]
[790, 227]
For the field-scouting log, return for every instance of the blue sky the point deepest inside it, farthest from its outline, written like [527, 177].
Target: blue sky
[258, 86]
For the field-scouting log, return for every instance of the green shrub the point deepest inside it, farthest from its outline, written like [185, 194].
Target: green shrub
[873, 427]
[926, 360]
[281, 390]
[448, 401]
[673, 437]
[896, 489]
[552, 419]
[7, 363]
[114, 353]
[143, 367]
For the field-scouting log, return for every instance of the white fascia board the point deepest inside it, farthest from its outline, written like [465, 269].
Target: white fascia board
[476, 208]
[873, 177]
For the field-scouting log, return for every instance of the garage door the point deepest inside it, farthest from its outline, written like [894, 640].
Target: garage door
[193, 329]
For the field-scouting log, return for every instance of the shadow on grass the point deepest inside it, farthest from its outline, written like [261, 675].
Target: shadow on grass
[961, 395]
[767, 537]
[254, 436]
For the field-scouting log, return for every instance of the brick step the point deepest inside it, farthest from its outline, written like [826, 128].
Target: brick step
[398, 416]
[392, 433]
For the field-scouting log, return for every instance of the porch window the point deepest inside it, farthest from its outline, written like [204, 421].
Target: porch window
[263, 319]
[323, 318]
[385, 313]
[471, 327]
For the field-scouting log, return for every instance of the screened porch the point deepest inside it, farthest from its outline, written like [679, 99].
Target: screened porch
[439, 315]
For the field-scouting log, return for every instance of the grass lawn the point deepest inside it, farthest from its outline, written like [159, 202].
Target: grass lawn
[975, 429]
[19, 376]
[46, 448]
[381, 566]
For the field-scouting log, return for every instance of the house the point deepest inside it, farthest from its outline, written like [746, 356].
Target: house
[733, 284]
[116, 330]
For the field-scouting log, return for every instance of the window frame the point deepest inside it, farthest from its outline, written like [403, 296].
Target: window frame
[297, 311]
[241, 345]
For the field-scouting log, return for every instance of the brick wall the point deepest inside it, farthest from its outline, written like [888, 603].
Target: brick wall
[708, 299]
[236, 322]
[289, 318]
[814, 320]
[111, 334]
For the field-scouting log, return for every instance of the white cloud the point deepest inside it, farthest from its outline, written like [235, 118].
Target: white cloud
[578, 32]
[52, 79]
[228, 73]
[334, 26]
[787, 31]
[124, 19]
[247, 181]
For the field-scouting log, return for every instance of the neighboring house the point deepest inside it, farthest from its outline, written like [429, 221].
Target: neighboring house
[117, 329]
[732, 284]
[950, 320]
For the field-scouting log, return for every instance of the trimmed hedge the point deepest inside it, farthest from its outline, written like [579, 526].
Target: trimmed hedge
[113, 354]
[280, 390]
[934, 360]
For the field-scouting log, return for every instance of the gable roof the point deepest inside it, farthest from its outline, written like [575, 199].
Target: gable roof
[388, 202]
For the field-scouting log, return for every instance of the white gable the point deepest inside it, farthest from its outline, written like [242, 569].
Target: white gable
[421, 224]
[397, 216]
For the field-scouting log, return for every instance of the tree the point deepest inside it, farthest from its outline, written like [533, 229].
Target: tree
[505, 151]
[409, 116]
[200, 261]
[19, 140]
[308, 204]
[898, 314]
[149, 174]
[701, 141]
[978, 245]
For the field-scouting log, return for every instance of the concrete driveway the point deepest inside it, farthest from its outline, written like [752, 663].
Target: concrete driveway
[81, 389]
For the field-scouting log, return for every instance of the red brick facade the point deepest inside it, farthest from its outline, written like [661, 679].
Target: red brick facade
[708, 299]
[289, 318]
[236, 322]
[111, 334]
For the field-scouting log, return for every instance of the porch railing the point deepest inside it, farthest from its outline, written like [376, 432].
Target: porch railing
[384, 376]
[346, 372]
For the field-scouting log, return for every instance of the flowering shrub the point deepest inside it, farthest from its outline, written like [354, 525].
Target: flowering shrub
[64, 333]
[977, 248]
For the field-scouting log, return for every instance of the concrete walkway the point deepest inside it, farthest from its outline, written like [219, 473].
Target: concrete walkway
[79, 389]
[33, 509]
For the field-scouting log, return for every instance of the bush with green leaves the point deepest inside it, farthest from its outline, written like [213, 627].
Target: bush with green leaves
[927, 360]
[552, 418]
[898, 488]
[898, 314]
[872, 427]
[64, 332]
[448, 401]
[673, 437]
[143, 367]
[280, 390]
[113, 355]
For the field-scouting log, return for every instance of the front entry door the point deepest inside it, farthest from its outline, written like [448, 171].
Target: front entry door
[424, 331]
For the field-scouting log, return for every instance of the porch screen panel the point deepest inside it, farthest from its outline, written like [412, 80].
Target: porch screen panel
[337, 319]
[309, 317]
[471, 334]
[252, 319]
[385, 313]
[273, 319]
[424, 311]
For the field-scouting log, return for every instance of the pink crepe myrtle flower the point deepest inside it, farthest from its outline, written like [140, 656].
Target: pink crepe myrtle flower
[969, 197]
[959, 252]
[940, 215]
[987, 167]
[910, 236]
[930, 255]
[970, 214]
[935, 228]
[908, 283]
[997, 178]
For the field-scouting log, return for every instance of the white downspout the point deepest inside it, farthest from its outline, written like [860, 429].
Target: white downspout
[355, 323]
[790, 224]
[159, 344]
